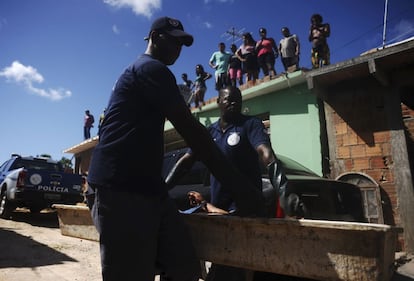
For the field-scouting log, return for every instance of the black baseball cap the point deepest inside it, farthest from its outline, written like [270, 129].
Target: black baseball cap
[172, 27]
[262, 30]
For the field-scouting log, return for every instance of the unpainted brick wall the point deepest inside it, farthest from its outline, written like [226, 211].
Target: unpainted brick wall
[362, 143]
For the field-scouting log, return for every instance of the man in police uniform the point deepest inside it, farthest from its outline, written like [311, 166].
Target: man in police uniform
[245, 143]
[138, 223]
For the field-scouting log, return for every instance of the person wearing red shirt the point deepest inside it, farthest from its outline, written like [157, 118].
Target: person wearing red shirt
[266, 53]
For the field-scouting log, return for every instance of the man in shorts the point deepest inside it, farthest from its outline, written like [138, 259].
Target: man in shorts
[220, 62]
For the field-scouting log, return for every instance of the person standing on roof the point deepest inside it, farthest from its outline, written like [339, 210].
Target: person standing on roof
[200, 86]
[101, 119]
[220, 62]
[248, 56]
[187, 81]
[235, 68]
[289, 48]
[266, 53]
[186, 89]
[318, 34]
[87, 124]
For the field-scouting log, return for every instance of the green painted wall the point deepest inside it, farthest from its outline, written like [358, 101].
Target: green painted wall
[294, 125]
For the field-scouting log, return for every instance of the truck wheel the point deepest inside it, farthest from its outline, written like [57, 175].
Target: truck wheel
[5, 208]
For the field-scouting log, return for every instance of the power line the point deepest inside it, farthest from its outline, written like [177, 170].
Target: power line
[396, 17]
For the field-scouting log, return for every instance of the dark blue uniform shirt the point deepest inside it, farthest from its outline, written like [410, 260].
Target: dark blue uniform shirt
[130, 151]
[239, 142]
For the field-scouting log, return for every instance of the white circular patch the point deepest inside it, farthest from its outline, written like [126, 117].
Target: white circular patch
[233, 139]
[35, 179]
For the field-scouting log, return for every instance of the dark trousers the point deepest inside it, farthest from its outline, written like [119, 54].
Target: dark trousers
[140, 235]
[87, 132]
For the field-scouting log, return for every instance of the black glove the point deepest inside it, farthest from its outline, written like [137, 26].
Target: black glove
[279, 181]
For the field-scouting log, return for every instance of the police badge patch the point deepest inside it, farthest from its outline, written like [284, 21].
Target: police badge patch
[233, 139]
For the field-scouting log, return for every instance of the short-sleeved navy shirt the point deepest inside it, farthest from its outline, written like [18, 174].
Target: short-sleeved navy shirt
[130, 151]
[239, 142]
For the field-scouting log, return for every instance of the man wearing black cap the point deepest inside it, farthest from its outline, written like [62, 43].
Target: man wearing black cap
[139, 225]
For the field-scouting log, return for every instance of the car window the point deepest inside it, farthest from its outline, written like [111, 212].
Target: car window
[170, 158]
[3, 166]
[35, 165]
[198, 174]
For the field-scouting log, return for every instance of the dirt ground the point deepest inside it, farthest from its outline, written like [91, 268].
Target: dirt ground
[32, 248]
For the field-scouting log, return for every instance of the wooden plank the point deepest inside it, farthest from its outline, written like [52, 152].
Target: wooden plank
[76, 221]
[321, 250]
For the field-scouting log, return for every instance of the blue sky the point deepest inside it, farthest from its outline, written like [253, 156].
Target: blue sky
[58, 58]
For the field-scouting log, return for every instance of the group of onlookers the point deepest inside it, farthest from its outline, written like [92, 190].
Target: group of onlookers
[253, 56]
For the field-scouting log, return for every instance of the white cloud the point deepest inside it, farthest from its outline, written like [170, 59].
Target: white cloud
[402, 30]
[28, 75]
[139, 7]
[20, 73]
[208, 24]
[115, 29]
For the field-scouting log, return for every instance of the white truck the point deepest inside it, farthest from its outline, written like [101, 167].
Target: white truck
[36, 183]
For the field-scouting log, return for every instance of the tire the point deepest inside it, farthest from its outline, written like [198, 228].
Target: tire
[5, 206]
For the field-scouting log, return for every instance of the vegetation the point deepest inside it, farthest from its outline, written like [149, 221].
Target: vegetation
[66, 163]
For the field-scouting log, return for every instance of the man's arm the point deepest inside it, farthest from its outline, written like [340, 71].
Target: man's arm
[327, 29]
[275, 49]
[212, 61]
[296, 38]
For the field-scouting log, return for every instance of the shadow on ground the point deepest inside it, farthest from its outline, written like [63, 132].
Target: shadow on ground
[47, 218]
[22, 251]
[19, 251]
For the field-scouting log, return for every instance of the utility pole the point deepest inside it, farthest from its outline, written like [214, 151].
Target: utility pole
[385, 24]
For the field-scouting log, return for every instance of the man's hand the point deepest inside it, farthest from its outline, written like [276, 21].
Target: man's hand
[195, 198]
